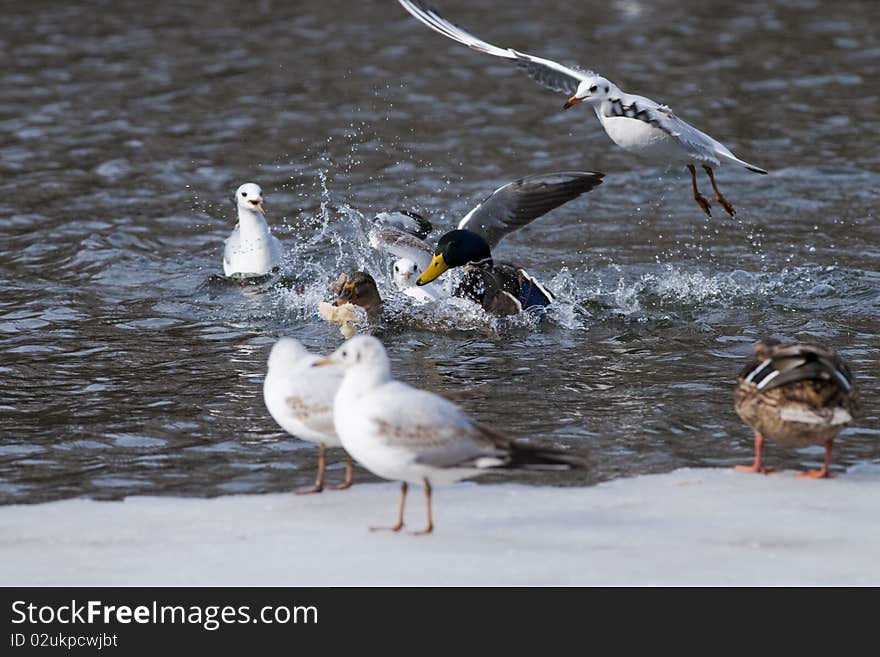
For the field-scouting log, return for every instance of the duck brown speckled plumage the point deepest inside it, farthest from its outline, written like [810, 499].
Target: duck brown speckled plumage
[795, 395]
[358, 288]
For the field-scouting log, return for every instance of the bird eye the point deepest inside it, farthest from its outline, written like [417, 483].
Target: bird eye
[395, 268]
[344, 353]
[593, 88]
[244, 194]
[606, 88]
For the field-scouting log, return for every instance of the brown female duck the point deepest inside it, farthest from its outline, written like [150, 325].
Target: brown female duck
[358, 288]
[795, 395]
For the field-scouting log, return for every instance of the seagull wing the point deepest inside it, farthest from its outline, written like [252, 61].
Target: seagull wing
[522, 201]
[700, 146]
[432, 428]
[405, 220]
[547, 73]
[401, 244]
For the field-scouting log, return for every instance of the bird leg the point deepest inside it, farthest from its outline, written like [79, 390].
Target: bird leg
[395, 528]
[758, 465]
[430, 526]
[319, 480]
[349, 476]
[699, 198]
[823, 472]
[718, 195]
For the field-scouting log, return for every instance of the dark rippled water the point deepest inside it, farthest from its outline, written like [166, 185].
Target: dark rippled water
[126, 126]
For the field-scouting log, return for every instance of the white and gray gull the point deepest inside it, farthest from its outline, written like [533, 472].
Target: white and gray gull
[251, 250]
[413, 436]
[300, 400]
[635, 123]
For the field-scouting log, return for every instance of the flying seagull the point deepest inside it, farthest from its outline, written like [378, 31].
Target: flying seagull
[637, 124]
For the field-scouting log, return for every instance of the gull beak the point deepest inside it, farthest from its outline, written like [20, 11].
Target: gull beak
[438, 266]
[323, 362]
[258, 205]
[574, 100]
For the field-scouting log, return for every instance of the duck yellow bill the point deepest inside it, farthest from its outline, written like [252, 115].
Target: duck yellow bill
[574, 100]
[438, 266]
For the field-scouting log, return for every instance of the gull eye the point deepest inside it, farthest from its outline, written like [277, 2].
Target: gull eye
[344, 353]
[593, 88]
[244, 194]
[395, 268]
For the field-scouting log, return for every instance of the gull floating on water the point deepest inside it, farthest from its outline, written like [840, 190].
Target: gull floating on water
[635, 123]
[251, 250]
[391, 232]
[500, 288]
[405, 434]
[795, 395]
[300, 399]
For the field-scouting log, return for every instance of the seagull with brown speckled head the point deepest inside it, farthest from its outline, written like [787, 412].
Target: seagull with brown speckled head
[635, 123]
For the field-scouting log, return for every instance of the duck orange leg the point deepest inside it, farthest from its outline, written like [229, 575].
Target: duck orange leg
[396, 527]
[718, 195]
[758, 465]
[319, 480]
[699, 198]
[824, 472]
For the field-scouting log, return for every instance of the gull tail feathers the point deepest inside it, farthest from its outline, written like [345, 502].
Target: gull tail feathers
[729, 157]
[530, 457]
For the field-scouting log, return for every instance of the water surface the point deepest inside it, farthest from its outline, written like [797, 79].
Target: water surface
[125, 129]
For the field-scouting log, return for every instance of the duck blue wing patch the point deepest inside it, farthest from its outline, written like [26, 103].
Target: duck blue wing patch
[532, 294]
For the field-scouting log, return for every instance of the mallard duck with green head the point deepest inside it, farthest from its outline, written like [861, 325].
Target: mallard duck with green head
[501, 288]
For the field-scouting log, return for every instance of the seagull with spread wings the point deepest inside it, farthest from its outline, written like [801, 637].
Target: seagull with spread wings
[501, 288]
[635, 123]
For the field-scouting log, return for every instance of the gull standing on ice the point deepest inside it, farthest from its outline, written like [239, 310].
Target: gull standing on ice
[300, 399]
[405, 434]
[251, 250]
[635, 123]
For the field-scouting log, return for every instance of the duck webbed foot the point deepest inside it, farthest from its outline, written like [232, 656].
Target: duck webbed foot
[758, 465]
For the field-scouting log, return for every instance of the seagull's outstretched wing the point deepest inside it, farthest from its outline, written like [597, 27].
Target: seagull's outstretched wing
[405, 220]
[401, 244]
[522, 201]
[547, 73]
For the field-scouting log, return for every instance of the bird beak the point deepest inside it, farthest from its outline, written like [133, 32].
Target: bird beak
[258, 205]
[438, 266]
[346, 295]
[574, 100]
[323, 362]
